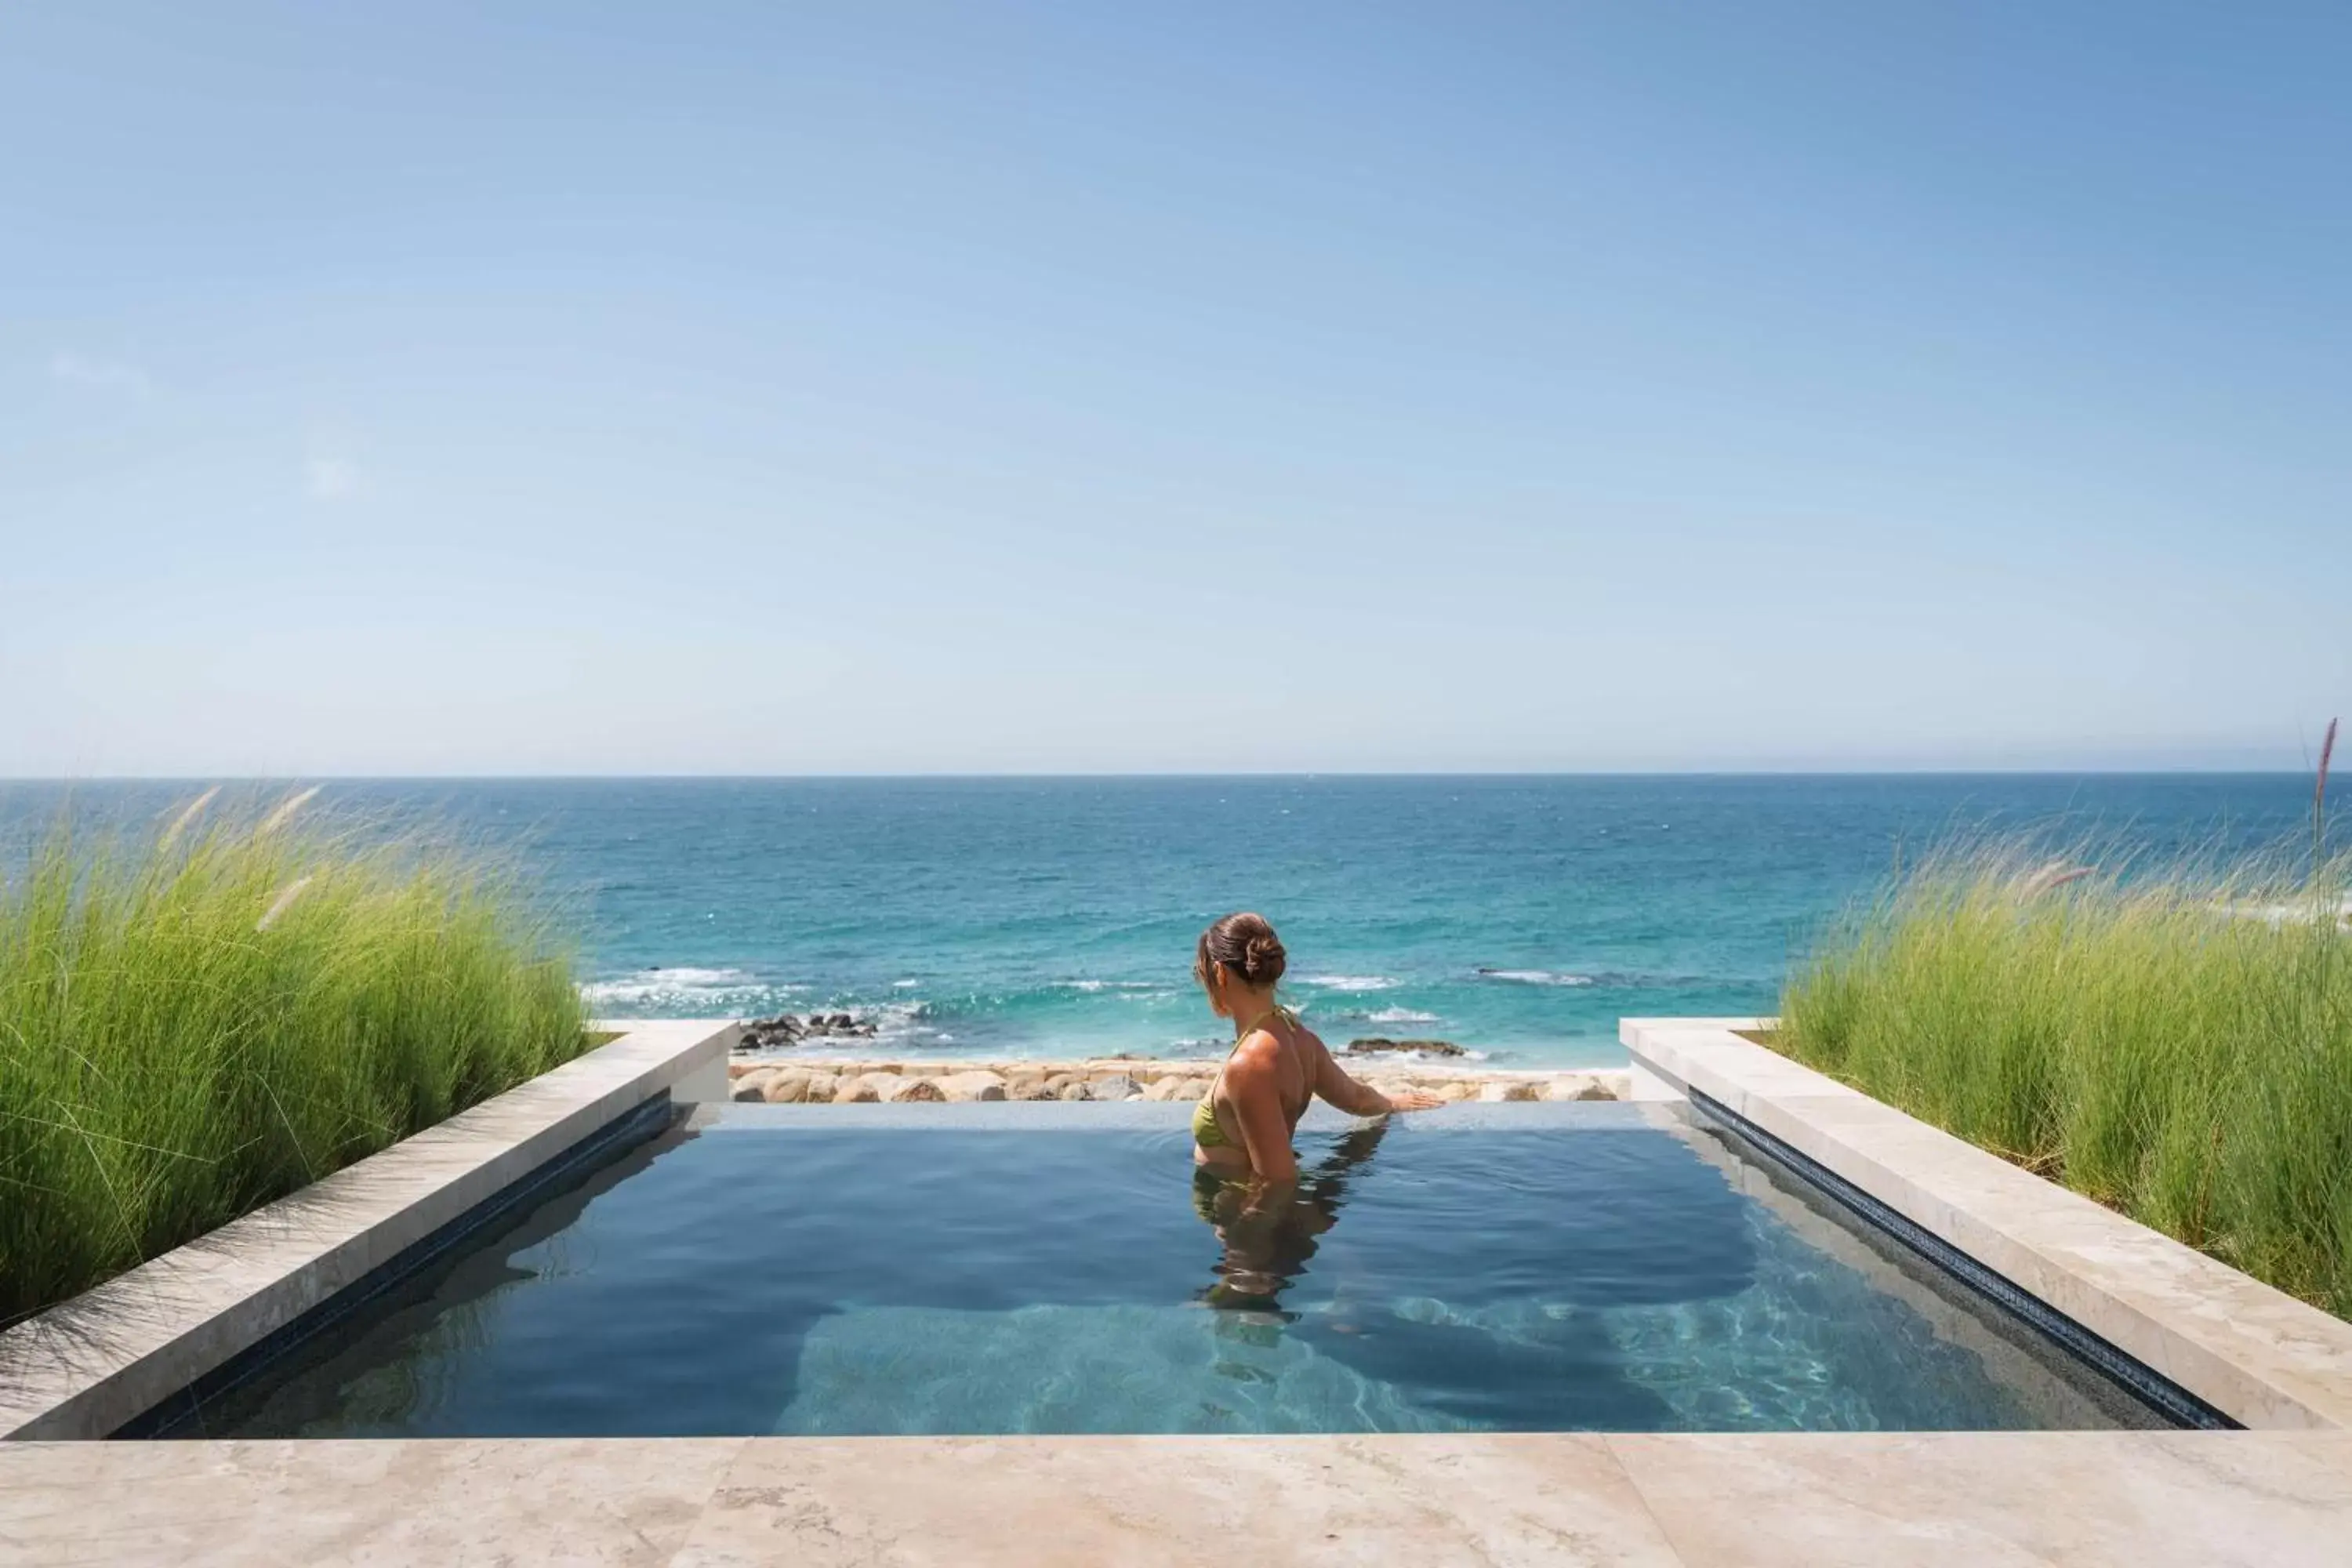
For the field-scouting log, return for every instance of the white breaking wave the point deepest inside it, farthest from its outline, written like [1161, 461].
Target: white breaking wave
[1354, 982]
[1400, 1015]
[2313, 911]
[684, 975]
[1091, 986]
[1535, 977]
[681, 984]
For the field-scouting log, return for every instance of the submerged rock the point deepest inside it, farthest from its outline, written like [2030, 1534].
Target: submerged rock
[1376, 1043]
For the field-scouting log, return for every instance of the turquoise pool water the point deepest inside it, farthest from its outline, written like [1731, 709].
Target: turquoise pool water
[1003, 1270]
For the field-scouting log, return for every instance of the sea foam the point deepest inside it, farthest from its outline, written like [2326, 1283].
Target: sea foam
[682, 984]
[1533, 978]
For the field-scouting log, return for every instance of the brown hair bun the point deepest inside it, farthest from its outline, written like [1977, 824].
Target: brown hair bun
[1245, 944]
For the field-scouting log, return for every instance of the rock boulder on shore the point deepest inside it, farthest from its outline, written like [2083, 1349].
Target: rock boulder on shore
[848, 1080]
[1377, 1043]
[969, 1086]
[787, 1088]
[787, 1029]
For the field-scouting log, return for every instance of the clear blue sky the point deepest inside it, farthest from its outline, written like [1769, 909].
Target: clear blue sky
[877, 387]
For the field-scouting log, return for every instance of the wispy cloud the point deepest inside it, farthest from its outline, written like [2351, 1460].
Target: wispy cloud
[330, 479]
[71, 369]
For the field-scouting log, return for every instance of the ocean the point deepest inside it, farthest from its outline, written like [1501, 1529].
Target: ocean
[1519, 917]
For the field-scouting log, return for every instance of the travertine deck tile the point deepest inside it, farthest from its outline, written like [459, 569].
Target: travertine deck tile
[1043, 1503]
[1821, 1500]
[310, 1504]
[1984, 1500]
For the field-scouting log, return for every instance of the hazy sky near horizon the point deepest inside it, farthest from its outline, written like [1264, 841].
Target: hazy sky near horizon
[971, 387]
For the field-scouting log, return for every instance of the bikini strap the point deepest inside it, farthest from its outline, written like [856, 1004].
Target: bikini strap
[1276, 1012]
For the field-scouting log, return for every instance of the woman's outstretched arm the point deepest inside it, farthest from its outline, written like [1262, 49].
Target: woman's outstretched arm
[1333, 1084]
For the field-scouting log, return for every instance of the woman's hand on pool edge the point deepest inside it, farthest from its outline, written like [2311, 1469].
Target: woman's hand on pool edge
[1413, 1099]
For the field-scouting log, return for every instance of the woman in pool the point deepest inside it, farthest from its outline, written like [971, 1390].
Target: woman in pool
[1242, 1128]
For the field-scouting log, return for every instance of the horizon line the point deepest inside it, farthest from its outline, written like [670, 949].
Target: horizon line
[2045, 770]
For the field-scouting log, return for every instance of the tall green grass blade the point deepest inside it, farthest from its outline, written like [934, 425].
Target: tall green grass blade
[2173, 1041]
[195, 1024]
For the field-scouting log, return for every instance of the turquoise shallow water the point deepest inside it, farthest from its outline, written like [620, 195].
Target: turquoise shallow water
[786, 1272]
[1520, 917]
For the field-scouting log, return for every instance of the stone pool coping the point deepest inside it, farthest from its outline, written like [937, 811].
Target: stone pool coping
[84, 1368]
[2149, 1499]
[2255, 1353]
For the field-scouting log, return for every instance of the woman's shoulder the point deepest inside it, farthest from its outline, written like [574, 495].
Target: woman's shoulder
[1295, 1029]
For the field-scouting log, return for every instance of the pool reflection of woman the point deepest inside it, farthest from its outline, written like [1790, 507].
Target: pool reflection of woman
[1247, 1181]
[1269, 1229]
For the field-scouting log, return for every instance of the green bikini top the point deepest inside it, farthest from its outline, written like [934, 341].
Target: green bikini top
[1206, 1131]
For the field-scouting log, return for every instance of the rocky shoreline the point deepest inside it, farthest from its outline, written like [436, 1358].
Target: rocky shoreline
[788, 1029]
[845, 1081]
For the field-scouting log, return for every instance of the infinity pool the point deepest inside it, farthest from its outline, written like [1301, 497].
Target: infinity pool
[1055, 1270]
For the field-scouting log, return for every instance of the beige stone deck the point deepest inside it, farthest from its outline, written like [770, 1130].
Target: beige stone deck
[2265, 1500]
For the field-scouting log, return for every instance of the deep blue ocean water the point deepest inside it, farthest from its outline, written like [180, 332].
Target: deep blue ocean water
[1518, 916]
[776, 1271]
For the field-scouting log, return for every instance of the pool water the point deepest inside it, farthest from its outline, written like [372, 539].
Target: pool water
[773, 1270]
